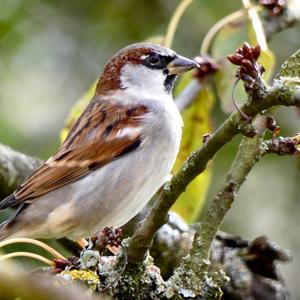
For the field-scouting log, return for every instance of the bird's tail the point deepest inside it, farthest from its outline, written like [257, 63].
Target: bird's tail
[8, 202]
[5, 231]
[9, 227]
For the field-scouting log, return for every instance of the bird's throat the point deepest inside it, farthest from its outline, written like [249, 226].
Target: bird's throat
[169, 82]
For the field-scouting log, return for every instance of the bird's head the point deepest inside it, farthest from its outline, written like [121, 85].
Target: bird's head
[144, 67]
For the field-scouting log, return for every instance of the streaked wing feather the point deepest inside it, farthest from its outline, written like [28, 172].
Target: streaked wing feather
[93, 142]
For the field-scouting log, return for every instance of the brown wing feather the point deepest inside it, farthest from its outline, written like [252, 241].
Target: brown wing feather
[91, 143]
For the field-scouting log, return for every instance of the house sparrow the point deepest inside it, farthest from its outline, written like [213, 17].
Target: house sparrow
[116, 156]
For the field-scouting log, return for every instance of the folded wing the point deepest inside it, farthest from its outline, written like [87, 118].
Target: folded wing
[105, 131]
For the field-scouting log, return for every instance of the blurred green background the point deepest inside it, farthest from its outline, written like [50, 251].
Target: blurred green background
[51, 51]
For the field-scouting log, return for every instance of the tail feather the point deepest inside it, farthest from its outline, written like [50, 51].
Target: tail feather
[5, 231]
[8, 227]
[8, 202]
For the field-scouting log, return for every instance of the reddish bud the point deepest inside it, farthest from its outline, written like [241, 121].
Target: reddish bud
[249, 55]
[246, 57]
[208, 66]
[256, 52]
[236, 59]
[240, 51]
[247, 63]
[246, 47]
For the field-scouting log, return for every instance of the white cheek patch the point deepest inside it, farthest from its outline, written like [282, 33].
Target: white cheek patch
[141, 79]
[131, 132]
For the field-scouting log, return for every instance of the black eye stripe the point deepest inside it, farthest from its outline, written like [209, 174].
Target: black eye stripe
[157, 61]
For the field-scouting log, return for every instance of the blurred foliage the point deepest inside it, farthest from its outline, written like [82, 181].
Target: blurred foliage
[56, 50]
[51, 51]
[16, 284]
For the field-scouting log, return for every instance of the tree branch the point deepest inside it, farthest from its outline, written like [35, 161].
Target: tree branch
[281, 146]
[15, 167]
[197, 261]
[278, 94]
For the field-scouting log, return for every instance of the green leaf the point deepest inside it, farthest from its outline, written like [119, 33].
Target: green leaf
[196, 123]
[256, 36]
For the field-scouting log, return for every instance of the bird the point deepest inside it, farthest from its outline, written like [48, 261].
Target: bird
[116, 156]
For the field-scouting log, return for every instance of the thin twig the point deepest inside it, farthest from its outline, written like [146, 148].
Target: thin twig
[245, 117]
[174, 22]
[27, 254]
[235, 16]
[33, 242]
[217, 27]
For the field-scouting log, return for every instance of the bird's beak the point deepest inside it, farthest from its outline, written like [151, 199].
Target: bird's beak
[181, 64]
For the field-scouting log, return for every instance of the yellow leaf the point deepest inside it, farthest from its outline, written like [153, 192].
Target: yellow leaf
[196, 123]
[256, 36]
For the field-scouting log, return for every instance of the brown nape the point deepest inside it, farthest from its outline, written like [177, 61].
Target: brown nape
[110, 78]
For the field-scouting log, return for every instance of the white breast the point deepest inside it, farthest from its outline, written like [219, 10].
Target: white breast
[121, 189]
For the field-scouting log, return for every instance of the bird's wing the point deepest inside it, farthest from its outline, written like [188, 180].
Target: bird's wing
[104, 132]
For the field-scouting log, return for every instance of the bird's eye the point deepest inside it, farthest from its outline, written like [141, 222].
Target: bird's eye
[153, 59]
